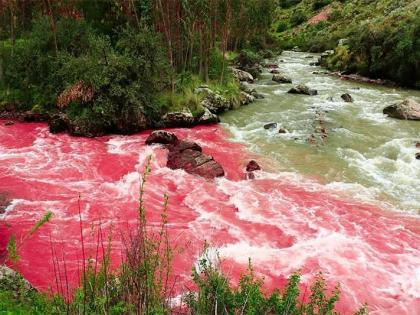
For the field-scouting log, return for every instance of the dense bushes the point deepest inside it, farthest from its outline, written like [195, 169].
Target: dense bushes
[383, 37]
[104, 66]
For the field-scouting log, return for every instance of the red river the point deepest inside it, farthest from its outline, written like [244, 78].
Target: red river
[282, 221]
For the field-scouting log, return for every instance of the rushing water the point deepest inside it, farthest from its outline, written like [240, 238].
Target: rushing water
[315, 207]
[365, 154]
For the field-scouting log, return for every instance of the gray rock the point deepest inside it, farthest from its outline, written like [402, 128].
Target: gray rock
[281, 78]
[208, 117]
[302, 89]
[213, 101]
[408, 109]
[246, 98]
[182, 118]
[242, 75]
[270, 125]
[347, 98]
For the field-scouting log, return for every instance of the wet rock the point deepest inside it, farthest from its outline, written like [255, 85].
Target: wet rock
[252, 166]
[315, 64]
[162, 137]
[296, 49]
[30, 116]
[9, 123]
[275, 71]
[282, 130]
[58, 123]
[242, 76]
[347, 98]
[4, 202]
[330, 99]
[245, 88]
[408, 109]
[208, 118]
[271, 66]
[417, 156]
[246, 98]
[184, 145]
[271, 125]
[182, 118]
[281, 78]
[302, 89]
[258, 96]
[418, 145]
[250, 175]
[308, 57]
[193, 161]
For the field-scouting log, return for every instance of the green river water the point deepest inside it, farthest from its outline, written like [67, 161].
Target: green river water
[365, 155]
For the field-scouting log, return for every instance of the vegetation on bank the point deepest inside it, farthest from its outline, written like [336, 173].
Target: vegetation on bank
[382, 37]
[119, 66]
[144, 282]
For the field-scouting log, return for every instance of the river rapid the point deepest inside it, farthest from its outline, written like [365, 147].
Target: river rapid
[347, 205]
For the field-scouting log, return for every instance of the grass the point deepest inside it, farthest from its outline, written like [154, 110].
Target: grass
[144, 282]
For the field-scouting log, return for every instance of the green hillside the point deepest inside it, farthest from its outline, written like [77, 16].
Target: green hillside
[383, 36]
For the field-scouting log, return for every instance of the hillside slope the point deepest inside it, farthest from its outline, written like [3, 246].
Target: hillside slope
[383, 36]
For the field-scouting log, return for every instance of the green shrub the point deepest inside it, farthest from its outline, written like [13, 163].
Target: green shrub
[318, 4]
[298, 17]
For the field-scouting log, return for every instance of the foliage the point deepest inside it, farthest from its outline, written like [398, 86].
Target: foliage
[383, 36]
[214, 293]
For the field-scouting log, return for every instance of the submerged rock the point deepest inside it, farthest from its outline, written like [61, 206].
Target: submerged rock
[347, 98]
[271, 66]
[162, 137]
[408, 109]
[281, 78]
[302, 89]
[242, 75]
[270, 125]
[9, 123]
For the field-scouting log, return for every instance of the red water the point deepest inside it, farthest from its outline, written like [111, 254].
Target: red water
[282, 221]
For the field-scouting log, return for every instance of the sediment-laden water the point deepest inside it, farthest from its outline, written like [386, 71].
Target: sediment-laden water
[346, 205]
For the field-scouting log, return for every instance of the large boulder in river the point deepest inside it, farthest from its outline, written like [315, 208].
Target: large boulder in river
[302, 89]
[242, 75]
[189, 157]
[281, 78]
[162, 137]
[408, 109]
[186, 155]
